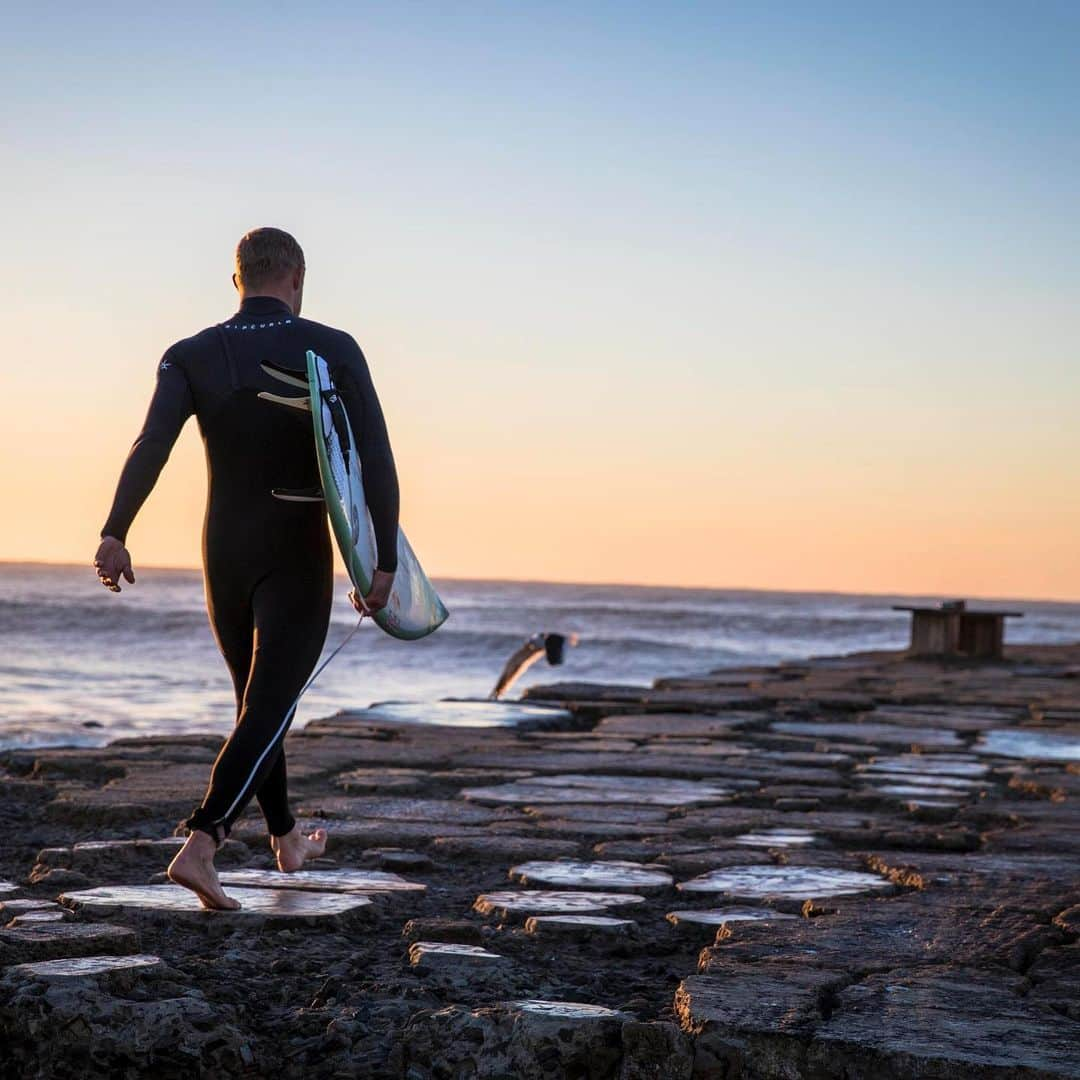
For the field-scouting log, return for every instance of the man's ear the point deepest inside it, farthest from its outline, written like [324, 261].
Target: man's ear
[298, 280]
[236, 284]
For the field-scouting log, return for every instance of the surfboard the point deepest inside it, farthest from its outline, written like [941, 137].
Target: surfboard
[414, 609]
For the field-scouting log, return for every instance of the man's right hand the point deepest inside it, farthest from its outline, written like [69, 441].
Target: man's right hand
[112, 562]
[378, 595]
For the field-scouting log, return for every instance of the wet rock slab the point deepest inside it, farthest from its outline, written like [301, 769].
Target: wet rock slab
[599, 812]
[383, 781]
[456, 931]
[97, 860]
[597, 788]
[1036, 744]
[500, 847]
[874, 936]
[470, 714]
[580, 927]
[436, 955]
[684, 725]
[511, 903]
[747, 999]
[362, 809]
[926, 765]
[21, 905]
[777, 838]
[786, 882]
[945, 1022]
[971, 857]
[394, 859]
[592, 875]
[1056, 978]
[881, 734]
[533, 1039]
[713, 917]
[163, 903]
[362, 881]
[113, 1016]
[83, 968]
[37, 917]
[364, 833]
[52, 940]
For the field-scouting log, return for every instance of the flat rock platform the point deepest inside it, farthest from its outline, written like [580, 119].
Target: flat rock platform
[849, 868]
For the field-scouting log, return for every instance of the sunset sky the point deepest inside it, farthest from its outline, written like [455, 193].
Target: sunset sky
[778, 295]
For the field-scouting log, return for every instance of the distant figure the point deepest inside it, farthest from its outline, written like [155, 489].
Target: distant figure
[550, 645]
[266, 548]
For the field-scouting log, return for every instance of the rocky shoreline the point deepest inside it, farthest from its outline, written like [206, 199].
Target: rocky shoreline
[856, 867]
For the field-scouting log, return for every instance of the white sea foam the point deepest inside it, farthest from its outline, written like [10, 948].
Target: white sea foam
[80, 666]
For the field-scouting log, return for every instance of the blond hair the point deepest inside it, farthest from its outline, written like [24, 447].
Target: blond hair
[265, 255]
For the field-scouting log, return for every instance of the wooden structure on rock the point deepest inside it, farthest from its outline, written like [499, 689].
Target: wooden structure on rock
[952, 630]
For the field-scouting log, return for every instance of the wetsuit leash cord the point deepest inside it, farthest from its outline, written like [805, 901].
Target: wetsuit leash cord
[318, 670]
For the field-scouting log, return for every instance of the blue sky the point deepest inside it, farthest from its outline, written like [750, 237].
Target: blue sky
[743, 255]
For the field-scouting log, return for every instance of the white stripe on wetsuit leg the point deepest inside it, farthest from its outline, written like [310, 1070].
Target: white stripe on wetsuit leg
[247, 782]
[288, 715]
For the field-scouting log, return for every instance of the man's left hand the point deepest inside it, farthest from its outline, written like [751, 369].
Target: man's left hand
[112, 562]
[378, 595]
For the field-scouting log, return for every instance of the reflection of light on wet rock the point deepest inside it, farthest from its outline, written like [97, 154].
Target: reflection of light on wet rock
[956, 784]
[8, 887]
[168, 900]
[936, 765]
[579, 927]
[580, 788]
[776, 838]
[563, 1010]
[920, 791]
[86, 967]
[1029, 743]
[550, 901]
[585, 875]
[333, 880]
[34, 917]
[445, 953]
[885, 734]
[786, 882]
[937, 781]
[21, 905]
[720, 916]
[468, 714]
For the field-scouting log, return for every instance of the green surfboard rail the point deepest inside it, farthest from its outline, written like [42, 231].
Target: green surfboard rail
[414, 609]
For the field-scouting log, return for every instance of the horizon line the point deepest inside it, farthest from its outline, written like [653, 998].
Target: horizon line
[631, 585]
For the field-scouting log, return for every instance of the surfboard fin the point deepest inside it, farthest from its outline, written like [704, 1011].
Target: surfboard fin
[302, 403]
[291, 380]
[313, 494]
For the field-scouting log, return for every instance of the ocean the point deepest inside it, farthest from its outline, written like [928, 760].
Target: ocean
[80, 666]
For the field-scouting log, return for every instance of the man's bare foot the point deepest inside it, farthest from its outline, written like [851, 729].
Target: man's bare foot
[294, 848]
[193, 868]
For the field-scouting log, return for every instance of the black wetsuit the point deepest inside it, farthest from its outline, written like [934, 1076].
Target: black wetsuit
[268, 561]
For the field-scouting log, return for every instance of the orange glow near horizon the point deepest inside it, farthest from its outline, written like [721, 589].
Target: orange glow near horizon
[778, 517]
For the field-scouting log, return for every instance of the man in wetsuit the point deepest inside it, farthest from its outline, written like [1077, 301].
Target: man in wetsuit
[266, 547]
